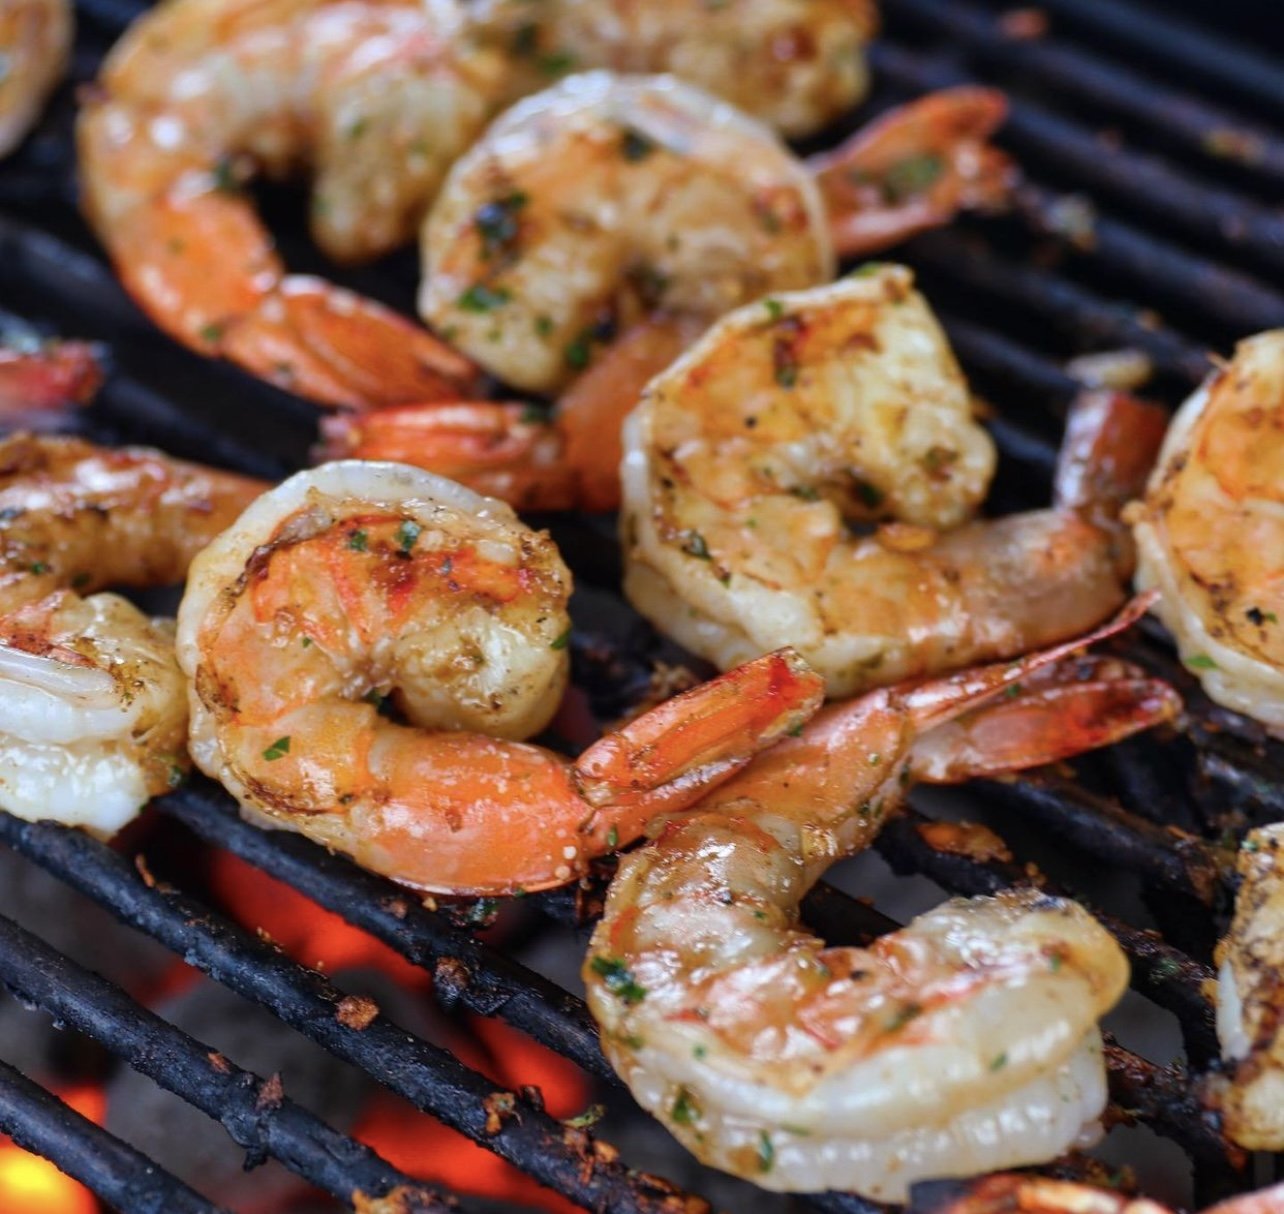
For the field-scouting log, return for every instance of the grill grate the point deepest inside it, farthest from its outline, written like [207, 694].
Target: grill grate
[1181, 227]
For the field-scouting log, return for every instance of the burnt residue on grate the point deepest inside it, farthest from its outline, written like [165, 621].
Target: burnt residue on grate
[1147, 223]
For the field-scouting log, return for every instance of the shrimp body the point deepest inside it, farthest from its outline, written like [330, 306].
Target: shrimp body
[360, 586]
[35, 41]
[749, 456]
[93, 710]
[1210, 533]
[377, 97]
[795, 65]
[1251, 1095]
[605, 198]
[802, 1067]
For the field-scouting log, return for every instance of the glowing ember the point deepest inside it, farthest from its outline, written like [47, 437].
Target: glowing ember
[29, 1183]
[413, 1141]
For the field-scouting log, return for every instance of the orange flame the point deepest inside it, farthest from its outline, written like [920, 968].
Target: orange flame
[32, 1185]
[412, 1141]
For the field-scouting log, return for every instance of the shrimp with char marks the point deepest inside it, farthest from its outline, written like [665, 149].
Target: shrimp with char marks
[1250, 998]
[93, 707]
[795, 65]
[597, 228]
[1210, 533]
[748, 461]
[377, 97]
[35, 43]
[802, 1067]
[358, 586]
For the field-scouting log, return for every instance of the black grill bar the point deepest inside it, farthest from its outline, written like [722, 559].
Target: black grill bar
[1184, 120]
[1181, 48]
[466, 973]
[120, 1175]
[491, 985]
[1232, 299]
[250, 1108]
[1136, 180]
[433, 1080]
[1088, 318]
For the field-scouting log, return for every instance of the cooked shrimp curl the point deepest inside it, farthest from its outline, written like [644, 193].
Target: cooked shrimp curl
[599, 227]
[93, 708]
[796, 416]
[965, 1042]
[35, 41]
[361, 585]
[1210, 533]
[376, 96]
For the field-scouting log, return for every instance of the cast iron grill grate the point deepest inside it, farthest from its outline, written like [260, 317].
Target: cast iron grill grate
[1168, 214]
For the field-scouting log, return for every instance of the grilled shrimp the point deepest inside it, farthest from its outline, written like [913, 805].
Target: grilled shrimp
[597, 228]
[795, 65]
[376, 96]
[356, 586]
[802, 1067]
[39, 379]
[795, 416]
[1210, 533]
[93, 709]
[35, 41]
[1251, 1095]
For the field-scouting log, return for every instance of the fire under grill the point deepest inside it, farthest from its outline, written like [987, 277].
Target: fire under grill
[1146, 221]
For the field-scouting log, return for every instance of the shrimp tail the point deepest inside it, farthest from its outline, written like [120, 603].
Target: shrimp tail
[340, 349]
[510, 451]
[701, 737]
[46, 380]
[939, 700]
[1075, 705]
[915, 168]
[503, 450]
[1111, 443]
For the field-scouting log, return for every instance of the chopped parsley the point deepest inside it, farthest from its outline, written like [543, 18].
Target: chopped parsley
[1200, 661]
[225, 178]
[591, 1116]
[999, 1061]
[696, 546]
[481, 298]
[407, 534]
[685, 1110]
[766, 1152]
[278, 750]
[618, 979]
[784, 363]
[902, 1016]
[912, 176]
[580, 350]
[613, 838]
[868, 269]
[556, 63]
[775, 309]
[40, 567]
[358, 541]
[561, 640]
